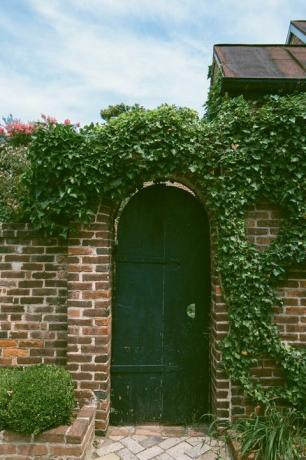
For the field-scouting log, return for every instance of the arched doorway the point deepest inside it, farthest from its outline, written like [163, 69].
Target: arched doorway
[160, 349]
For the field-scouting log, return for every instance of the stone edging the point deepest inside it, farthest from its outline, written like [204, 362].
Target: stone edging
[69, 442]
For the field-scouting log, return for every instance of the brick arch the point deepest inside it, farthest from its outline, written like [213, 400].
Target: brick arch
[89, 272]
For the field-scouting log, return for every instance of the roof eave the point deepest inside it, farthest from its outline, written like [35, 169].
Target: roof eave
[262, 85]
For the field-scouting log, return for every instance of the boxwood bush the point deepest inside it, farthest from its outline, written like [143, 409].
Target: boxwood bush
[8, 381]
[35, 398]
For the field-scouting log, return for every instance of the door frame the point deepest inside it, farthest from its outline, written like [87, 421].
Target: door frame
[181, 184]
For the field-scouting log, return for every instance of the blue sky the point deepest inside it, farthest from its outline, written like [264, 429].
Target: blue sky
[70, 58]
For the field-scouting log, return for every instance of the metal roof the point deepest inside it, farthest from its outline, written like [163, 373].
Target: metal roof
[297, 29]
[262, 66]
[301, 25]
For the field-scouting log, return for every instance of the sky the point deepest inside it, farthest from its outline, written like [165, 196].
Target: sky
[70, 58]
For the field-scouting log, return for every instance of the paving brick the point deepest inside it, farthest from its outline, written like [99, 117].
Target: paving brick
[164, 456]
[109, 448]
[196, 451]
[132, 445]
[151, 441]
[179, 449]
[126, 454]
[195, 440]
[150, 453]
[169, 442]
[116, 438]
[108, 457]
[139, 437]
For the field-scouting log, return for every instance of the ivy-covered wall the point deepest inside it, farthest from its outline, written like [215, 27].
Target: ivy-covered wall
[241, 153]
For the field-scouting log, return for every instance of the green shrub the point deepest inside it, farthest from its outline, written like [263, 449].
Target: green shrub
[8, 381]
[13, 163]
[42, 397]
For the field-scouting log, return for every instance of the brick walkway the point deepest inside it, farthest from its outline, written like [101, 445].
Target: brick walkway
[157, 442]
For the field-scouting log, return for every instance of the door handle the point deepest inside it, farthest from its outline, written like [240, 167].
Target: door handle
[191, 310]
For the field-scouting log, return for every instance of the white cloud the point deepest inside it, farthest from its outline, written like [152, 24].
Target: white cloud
[80, 55]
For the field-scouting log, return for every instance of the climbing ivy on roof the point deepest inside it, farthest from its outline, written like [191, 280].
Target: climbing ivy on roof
[243, 152]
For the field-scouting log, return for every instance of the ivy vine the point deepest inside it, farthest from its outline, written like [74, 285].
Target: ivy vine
[243, 151]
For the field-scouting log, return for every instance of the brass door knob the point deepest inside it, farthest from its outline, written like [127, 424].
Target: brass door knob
[191, 310]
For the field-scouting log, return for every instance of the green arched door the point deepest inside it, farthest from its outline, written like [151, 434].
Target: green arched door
[160, 350]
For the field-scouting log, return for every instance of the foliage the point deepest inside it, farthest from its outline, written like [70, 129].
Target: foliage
[275, 435]
[19, 133]
[115, 110]
[8, 381]
[35, 398]
[214, 99]
[13, 163]
[241, 153]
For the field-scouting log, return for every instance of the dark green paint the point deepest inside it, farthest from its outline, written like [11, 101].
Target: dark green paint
[160, 366]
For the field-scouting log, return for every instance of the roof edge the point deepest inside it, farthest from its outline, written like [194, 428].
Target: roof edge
[252, 45]
[295, 30]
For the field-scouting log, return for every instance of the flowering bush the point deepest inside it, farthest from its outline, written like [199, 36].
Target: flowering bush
[16, 129]
[48, 120]
[19, 133]
[15, 138]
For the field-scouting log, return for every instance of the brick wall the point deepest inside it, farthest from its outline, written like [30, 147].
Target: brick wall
[89, 311]
[291, 318]
[220, 384]
[33, 290]
[56, 306]
[262, 225]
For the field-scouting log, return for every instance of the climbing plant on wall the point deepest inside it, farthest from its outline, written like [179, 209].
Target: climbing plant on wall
[242, 152]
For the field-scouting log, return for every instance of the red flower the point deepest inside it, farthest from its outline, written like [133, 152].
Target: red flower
[17, 127]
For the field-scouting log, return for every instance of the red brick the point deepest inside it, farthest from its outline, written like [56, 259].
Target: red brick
[15, 352]
[32, 449]
[54, 435]
[77, 432]
[8, 343]
[80, 268]
[6, 449]
[96, 294]
[64, 451]
[31, 343]
[80, 250]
